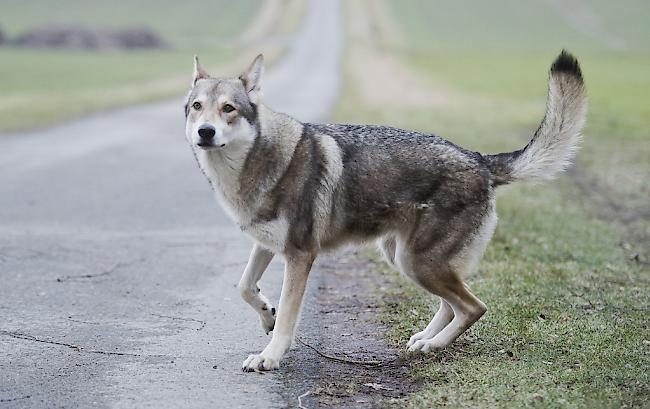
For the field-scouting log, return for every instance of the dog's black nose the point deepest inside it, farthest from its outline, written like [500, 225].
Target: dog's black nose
[206, 132]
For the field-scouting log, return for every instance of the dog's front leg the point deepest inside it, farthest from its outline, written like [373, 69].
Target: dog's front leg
[293, 288]
[250, 292]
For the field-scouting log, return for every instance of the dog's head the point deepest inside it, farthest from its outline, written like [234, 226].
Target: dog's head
[222, 112]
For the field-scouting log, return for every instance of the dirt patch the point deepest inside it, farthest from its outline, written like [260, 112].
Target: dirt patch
[379, 77]
[274, 17]
[341, 320]
[75, 37]
[382, 81]
[613, 208]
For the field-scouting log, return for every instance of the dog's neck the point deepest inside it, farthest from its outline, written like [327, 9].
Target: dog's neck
[243, 172]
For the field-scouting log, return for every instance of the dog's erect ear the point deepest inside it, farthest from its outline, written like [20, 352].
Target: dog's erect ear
[252, 79]
[199, 72]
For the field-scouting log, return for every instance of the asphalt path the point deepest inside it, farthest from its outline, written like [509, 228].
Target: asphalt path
[118, 269]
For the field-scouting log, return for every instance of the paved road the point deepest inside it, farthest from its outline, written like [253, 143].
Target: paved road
[117, 267]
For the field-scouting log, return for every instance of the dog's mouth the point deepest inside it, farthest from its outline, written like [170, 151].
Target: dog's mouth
[210, 146]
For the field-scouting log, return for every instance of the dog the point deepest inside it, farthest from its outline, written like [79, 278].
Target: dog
[300, 188]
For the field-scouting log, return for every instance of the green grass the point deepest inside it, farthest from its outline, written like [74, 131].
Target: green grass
[500, 51]
[569, 311]
[41, 87]
[568, 315]
[512, 25]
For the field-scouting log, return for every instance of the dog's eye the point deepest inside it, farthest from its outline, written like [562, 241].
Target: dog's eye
[196, 105]
[228, 108]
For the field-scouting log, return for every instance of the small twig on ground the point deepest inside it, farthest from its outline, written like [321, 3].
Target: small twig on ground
[346, 360]
[304, 395]
[103, 273]
[582, 297]
[83, 322]
[200, 322]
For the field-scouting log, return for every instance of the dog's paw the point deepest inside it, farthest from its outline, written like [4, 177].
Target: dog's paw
[416, 337]
[256, 363]
[267, 318]
[426, 345]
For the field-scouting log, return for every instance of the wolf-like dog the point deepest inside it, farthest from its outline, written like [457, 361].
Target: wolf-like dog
[300, 188]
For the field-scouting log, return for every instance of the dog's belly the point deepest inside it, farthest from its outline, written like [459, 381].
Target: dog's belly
[272, 234]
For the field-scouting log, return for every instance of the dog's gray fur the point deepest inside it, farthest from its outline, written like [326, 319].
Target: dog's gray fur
[300, 188]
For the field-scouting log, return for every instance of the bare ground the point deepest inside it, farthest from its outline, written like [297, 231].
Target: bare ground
[611, 207]
[275, 17]
[341, 339]
[379, 78]
[369, 30]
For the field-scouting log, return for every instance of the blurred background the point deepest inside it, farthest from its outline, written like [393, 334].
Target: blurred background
[67, 58]
[63, 59]
[569, 258]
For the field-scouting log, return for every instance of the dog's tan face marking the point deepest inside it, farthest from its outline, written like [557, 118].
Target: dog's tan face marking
[219, 113]
[222, 111]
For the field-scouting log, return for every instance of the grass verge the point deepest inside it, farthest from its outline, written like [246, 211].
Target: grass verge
[566, 277]
[567, 324]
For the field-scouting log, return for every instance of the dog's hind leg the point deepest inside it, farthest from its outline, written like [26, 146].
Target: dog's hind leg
[443, 317]
[444, 278]
[448, 284]
[459, 308]
[467, 310]
[388, 246]
[439, 262]
[250, 292]
[293, 288]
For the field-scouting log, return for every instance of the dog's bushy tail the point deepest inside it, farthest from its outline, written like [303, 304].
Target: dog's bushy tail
[555, 142]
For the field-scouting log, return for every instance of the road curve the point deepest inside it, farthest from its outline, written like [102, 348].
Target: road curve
[118, 267]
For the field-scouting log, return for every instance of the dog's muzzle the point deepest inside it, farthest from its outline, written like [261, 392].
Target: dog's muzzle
[206, 136]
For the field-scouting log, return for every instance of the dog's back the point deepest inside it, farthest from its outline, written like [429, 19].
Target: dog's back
[391, 177]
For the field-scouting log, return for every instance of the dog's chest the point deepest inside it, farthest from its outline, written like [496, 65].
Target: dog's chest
[224, 179]
[271, 234]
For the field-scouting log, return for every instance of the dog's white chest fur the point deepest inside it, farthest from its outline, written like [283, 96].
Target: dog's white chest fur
[272, 234]
[223, 169]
